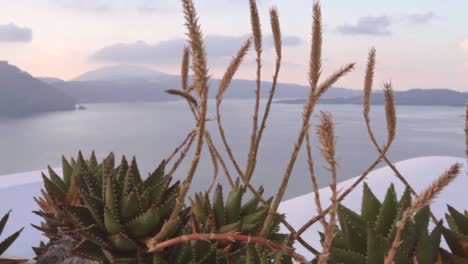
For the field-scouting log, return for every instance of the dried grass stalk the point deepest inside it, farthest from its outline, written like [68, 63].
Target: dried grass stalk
[275, 28]
[315, 61]
[183, 94]
[224, 84]
[312, 99]
[390, 112]
[368, 83]
[313, 177]
[326, 134]
[368, 80]
[322, 88]
[231, 70]
[423, 200]
[185, 69]
[218, 156]
[201, 77]
[257, 36]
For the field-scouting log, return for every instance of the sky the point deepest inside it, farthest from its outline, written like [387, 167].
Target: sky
[420, 44]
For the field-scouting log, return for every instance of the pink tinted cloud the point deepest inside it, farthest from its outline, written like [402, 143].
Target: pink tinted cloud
[464, 45]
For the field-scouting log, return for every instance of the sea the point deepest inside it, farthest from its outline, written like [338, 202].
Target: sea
[151, 131]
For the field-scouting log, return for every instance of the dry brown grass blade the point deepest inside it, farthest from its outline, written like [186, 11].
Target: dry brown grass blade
[326, 134]
[315, 61]
[257, 36]
[275, 28]
[312, 99]
[423, 200]
[220, 159]
[368, 83]
[201, 77]
[323, 87]
[368, 80]
[231, 70]
[183, 94]
[390, 112]
[224, 84]
[313, 177]
[185, 69]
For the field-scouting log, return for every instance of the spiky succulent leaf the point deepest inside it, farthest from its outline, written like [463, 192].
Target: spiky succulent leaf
[453, 241]
[145, 224]
[387, 213]
[89, 250]
[376, 247]
[129, 206]
[354, 229]
[460, 220]
[6, 243]
[67, 171]
[345, 256]
[370, 205]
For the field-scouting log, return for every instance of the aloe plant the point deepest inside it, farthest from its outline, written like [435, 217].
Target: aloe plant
[456, 236]
[121, 210]
[232, 216]
[58, 193]
[367, 237]
[7, 242]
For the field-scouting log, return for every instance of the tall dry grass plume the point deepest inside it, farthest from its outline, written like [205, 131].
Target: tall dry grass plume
[196, 95]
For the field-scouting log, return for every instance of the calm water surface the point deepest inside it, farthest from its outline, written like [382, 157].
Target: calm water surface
[150, 131]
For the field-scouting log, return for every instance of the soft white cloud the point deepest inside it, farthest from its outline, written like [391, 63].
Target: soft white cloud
[13, 33]
[218, 47]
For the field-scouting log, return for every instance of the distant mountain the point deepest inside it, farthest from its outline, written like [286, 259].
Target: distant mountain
[121, 72]
[22, 94]
[134, 83]
[429, 97]
[50, 80]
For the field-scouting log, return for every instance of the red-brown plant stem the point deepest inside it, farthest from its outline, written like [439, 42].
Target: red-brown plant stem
[233, 238]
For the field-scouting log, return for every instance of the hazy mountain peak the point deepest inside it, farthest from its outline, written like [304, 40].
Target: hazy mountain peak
[120, 72]
[22, 94]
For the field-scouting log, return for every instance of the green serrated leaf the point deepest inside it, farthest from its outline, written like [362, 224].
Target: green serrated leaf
[156, 177]
[145, 224]
[129, 206]
[89, 250]
[387, 213]
[123, 242]
[111, 221]
[218, 206]
[5, 244]
[233, 205]
[376, 247]
[354, 229]
[460, 220]
[370, 205]
[67, 171]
